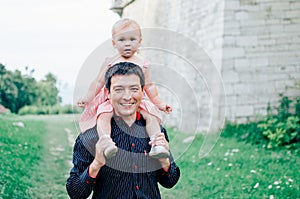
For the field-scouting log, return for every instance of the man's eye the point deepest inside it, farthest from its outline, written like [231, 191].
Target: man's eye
[134, 89]
[118, 90]
[132, 39]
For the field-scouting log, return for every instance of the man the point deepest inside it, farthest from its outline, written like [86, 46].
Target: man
[131, 173]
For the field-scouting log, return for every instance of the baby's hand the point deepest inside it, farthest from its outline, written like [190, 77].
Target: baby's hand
[165, 108]
[82, 102]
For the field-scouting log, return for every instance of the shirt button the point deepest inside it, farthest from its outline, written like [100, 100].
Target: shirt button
[132, 145]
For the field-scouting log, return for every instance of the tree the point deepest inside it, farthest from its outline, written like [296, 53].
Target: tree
[17, 90]
[47, 91]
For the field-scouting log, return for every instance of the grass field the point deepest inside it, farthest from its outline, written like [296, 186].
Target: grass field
[35, 162]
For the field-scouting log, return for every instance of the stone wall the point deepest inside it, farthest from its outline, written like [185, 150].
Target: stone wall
[253, 44]
[261, 54]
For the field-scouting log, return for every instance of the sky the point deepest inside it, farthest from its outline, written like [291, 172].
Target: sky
[53, 36]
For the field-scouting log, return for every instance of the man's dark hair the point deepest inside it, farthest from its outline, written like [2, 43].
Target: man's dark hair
[123, 68]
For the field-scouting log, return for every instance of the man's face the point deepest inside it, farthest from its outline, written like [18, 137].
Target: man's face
[125, 95]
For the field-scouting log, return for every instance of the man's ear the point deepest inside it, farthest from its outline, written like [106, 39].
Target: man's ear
[107, 93]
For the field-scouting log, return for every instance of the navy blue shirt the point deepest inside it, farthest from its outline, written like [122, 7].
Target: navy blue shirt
[130, 174]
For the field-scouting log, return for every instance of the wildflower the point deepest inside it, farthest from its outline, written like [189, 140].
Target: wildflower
[235, 150]
[230, 164]
[209, 164]
[276, 182]
[290, 180]
[218, 169]
[256, 185]
[270, 186]
[272, 197]
[277, 187]
[252, 171]
[225, 159]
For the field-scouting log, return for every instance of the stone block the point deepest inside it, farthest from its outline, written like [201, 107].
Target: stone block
[241, 15]
[233, 53]
[246, 41]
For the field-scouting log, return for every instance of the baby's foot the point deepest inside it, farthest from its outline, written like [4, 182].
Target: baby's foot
[110, 151]
[159, 152]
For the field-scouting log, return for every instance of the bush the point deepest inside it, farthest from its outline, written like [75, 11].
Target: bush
[273, 131]
[49, 110]
[281, 133]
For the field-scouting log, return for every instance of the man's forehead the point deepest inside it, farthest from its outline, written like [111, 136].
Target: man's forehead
[125, 80]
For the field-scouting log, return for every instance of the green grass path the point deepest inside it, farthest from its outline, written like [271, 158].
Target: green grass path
[51, 174]
[35, 163]
[36, 158]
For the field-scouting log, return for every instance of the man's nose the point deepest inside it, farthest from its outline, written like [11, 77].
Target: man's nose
[127, 94]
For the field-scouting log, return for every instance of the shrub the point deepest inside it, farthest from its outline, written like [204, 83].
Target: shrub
[273, 131]
[49, 110]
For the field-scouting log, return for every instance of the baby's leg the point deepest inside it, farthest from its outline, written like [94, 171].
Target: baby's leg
[153, 128]
[104, 129]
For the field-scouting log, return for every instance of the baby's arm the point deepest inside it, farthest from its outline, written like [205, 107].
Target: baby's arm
[152, 92]
[94, 87]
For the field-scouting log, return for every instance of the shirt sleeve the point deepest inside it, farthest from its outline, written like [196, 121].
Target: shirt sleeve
[169, 178]
[80, 184]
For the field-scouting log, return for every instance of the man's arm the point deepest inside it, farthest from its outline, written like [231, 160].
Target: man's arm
[83, 175]
[169, 174]
[80, 184]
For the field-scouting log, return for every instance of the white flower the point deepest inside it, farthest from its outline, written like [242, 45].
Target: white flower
[218, 169]
[291, 180]
[256, 185]
[252, 171]
[230, 164]
[270, 186]
[235, 150]
[276, 182]
[209, 164]
[272, 197]
[277, 187]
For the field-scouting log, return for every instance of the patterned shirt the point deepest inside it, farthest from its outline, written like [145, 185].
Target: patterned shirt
[130, 174]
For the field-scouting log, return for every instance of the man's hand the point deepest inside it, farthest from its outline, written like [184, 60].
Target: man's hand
[100, 160]
[160, 140]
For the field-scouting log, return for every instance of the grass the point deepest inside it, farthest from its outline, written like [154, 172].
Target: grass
[34, 160]
[34, 163]
[235, 170]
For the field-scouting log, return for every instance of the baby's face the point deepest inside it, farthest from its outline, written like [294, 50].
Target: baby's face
[127, 41]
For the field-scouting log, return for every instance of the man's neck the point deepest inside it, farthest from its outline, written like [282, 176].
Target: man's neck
[129, 120]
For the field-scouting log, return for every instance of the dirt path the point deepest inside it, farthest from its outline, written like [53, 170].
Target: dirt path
[50, 176]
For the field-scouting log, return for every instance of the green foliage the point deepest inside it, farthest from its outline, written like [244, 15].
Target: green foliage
[49, 110]
[18, 90]
[273, 131]
[281, 132]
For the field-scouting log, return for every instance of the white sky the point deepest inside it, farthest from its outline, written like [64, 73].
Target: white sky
[53, 36]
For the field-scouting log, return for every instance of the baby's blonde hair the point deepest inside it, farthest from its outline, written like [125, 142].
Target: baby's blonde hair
[125, 23]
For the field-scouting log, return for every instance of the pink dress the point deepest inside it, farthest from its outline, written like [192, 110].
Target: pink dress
[101, 104]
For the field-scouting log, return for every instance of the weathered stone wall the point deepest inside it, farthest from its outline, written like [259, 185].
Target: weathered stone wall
[254, 44]
[261, 53]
